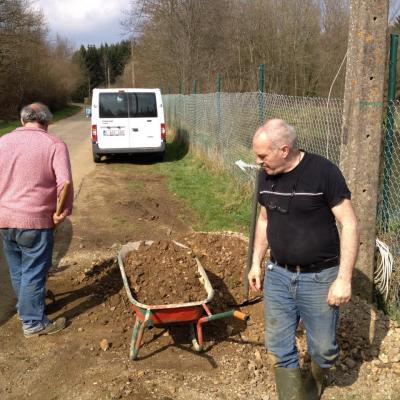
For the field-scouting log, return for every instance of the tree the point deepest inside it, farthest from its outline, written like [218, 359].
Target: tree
[301, 42]
[31, 69]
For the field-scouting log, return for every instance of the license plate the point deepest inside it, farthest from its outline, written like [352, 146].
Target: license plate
[113, 132]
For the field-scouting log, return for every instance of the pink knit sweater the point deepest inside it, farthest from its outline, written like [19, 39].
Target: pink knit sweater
[34, 165]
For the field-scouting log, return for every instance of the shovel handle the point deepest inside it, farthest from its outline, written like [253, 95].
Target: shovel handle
[62, 198]
[253, 223]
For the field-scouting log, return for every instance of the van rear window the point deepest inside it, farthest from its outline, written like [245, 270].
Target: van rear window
[113, 105]
[142, 105]
[127, 105]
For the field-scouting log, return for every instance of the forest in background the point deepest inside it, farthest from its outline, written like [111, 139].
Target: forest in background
[302, 44]
[31, 67]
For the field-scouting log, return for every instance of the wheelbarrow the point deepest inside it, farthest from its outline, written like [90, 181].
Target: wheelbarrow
[196, 314]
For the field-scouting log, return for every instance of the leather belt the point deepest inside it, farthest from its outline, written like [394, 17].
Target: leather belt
[316, 267]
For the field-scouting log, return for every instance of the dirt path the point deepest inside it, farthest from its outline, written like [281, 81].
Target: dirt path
[127, 200]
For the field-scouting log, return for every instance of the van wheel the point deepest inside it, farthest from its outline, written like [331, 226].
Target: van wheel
[96, 158]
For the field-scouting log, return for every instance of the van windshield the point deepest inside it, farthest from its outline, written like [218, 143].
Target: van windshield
[127, 105]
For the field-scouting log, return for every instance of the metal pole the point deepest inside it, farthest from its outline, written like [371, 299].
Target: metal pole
[362, 126]
[180, 105]
[388, 144]
[194, 105]
[261, 90]
[218, 108]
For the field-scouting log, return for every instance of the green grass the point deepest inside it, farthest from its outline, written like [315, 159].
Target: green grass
[8, 126]
[211, 194]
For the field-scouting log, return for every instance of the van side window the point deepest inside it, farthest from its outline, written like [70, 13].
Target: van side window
[142, 105]
[113, 105]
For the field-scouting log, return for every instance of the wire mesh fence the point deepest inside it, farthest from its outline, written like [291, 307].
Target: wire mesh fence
[220, 126]
[389, 195]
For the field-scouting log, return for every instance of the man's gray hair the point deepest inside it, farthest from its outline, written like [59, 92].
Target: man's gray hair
[289, 136]
[36, 112]
[280, 132]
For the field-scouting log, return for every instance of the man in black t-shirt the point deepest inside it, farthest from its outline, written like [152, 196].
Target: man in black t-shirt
[308, 276]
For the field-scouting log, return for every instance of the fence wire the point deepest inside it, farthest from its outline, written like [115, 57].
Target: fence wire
[389, 195]
[221, 125]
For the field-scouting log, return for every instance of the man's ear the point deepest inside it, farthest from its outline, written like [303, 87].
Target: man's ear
[285, 150]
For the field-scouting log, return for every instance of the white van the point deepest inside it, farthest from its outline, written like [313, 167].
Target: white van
[127, 121]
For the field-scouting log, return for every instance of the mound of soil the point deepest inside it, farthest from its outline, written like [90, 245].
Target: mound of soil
[163, 272]
[223, 256]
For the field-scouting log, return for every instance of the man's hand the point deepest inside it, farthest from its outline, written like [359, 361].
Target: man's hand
[254, 278]
[57, 219]
[339, 292]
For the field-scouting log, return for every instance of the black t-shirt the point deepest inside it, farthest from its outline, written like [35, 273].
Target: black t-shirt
[301, 227]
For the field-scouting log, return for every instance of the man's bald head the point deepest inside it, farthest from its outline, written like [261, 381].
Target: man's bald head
[36, 112]
[279, 132]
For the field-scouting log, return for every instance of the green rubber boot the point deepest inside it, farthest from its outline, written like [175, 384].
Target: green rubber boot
[314, 384]
[289, 384]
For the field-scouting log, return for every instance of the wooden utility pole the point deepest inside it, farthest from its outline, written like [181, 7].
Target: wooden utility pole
[362, 125]
[132, 65]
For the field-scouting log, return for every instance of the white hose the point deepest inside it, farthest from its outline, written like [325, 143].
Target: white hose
[384, 269]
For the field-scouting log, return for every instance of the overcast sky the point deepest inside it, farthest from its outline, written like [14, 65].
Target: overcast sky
[84, 21]
[98, 21]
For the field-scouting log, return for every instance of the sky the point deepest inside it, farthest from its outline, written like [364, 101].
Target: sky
[84, 21]
[98, 21]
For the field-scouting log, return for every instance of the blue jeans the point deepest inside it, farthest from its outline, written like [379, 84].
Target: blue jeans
[28, 253]
[291, 296]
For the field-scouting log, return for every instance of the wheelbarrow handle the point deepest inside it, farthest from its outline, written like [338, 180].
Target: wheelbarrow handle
[240, 315]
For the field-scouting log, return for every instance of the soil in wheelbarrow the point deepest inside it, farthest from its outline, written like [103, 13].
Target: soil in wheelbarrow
[163, 273]
[223, 257]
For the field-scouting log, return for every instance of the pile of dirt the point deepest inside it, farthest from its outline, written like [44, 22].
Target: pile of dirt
[223, 256]
[163, 272]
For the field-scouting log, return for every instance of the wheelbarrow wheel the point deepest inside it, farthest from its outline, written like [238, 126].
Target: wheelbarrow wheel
[195, 343]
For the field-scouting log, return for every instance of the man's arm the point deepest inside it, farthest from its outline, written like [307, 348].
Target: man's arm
[62, 172]
[260, 247]
[340, 291]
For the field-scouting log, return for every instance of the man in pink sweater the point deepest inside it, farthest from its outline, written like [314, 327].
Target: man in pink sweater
[34, 166]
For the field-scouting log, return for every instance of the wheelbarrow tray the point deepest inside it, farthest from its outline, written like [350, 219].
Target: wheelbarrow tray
[165, 313]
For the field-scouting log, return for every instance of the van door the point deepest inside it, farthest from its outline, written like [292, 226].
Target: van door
[113, 125]
[145, 129]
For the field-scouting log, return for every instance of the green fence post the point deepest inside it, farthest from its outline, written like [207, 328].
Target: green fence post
[218, 108]
[194, 106]
[169, 105]
[180, 105]
[261, 90]
[388, 145]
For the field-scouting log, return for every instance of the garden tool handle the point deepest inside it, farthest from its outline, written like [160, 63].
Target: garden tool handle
[250, 249]
[240, 315]
[62, 198]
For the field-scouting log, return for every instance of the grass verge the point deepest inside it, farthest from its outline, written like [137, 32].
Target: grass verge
[211, 194]
[8, 126]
